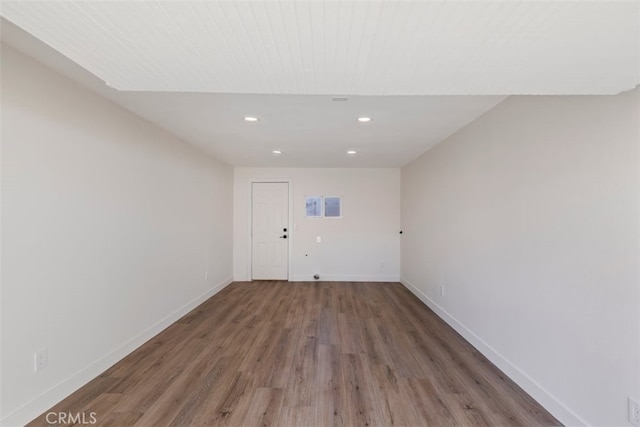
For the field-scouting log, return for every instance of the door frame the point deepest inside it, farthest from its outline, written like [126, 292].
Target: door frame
[289, 222]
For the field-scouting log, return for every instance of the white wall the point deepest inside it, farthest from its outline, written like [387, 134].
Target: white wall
[529, 217]
[109, 226]
[362, 246]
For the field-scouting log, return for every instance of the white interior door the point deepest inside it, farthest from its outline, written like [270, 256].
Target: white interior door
[270, 231]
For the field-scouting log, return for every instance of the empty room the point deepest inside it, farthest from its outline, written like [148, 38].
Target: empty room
[320, 213]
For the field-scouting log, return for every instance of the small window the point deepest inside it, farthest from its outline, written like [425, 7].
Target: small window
[333, 207]
[313, 206]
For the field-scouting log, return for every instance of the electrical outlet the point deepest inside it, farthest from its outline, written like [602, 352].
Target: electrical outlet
[318, 239]
[40, 359]
[634, 412]
[441, 290]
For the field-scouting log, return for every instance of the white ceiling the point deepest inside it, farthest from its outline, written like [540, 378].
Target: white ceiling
[311, 130]
[345, 47]
[196, 68]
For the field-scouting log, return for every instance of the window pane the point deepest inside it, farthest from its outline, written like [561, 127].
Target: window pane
[313, 206]
[332, 207]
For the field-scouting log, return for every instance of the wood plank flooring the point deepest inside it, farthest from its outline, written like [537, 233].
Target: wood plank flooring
[306, 354]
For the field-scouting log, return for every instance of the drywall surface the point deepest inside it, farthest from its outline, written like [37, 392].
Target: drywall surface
[111, 229]
[363, 245]
[529, 219]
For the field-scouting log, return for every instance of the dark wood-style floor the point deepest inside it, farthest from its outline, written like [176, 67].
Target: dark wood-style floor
[307, 354]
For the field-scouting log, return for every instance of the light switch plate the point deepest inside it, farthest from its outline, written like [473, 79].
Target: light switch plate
[634, 412]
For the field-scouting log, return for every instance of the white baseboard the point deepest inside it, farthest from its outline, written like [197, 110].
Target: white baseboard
[57, 393]
[345, 278]
[535, 390]
[334, 278]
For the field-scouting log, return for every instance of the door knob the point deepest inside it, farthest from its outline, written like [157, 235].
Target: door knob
[283, 237]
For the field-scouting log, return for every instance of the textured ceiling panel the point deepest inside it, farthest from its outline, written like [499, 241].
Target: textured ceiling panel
[345, 47]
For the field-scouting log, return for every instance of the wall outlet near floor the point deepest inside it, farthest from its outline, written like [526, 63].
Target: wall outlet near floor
[634, 412]
[40, 360]
[441, 290]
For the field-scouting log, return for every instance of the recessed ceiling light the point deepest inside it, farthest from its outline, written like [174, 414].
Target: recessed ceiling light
[364, 119]
[276, 152]
[250, 119]
[351, 152]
